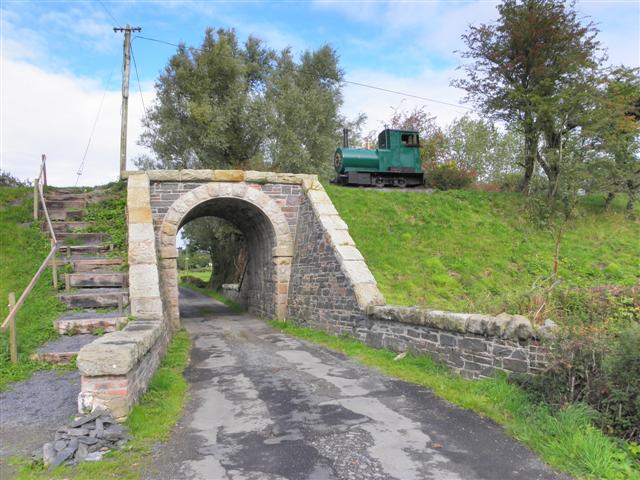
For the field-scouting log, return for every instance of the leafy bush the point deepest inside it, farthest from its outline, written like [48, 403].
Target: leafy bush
[8, 180]
[448, 176]
[596, 361]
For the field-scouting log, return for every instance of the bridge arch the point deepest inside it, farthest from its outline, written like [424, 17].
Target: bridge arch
[268, 235]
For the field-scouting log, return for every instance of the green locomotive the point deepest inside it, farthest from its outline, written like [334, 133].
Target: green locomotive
[395, 163]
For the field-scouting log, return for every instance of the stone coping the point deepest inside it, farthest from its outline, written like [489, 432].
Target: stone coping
[206, 175]
[505, 326]
[118, 353]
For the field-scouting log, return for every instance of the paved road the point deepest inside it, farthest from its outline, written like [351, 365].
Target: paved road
[267, 406]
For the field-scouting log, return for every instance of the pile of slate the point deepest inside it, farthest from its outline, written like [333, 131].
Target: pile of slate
[86, 439]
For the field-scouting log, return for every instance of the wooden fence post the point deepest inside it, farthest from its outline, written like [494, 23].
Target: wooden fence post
[35, 200]
[13, 347]
[44, 169]
[54, 268]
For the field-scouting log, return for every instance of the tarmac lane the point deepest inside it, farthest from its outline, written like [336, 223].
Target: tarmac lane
[267, 406]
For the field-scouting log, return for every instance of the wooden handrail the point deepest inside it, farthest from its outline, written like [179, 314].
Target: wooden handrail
[38, 186]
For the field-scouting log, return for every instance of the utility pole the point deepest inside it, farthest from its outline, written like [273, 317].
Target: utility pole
[124, 111]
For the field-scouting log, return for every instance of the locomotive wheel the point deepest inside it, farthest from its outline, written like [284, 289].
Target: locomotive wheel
[401, 182]
[337, 161]
[379, 182]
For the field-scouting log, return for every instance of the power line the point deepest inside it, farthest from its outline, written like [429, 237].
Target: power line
[108, 12]
[407, 94]
[426, 99]
[135, 68]
[93, 129]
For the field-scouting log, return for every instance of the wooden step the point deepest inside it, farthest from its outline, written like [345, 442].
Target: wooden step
[79, 239]
[68, 250]
[67, 204]
[96, 298]
[65, 197]
[95, 280]
[95, 264]
[62, 214]
[66, 227]
[89, 322]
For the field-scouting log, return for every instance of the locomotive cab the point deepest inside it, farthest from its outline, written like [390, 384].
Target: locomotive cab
[396, 161]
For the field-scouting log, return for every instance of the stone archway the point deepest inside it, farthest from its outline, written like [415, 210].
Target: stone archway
[268, 235]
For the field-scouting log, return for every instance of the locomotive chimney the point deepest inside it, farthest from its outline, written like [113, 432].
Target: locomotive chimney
[345, 138]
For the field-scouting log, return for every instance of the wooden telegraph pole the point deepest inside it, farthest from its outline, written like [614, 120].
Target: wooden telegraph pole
[124, 113]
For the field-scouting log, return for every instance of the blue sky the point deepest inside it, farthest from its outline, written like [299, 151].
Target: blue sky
[60, 59]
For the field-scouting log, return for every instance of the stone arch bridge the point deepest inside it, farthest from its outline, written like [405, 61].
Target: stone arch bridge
[303, 266]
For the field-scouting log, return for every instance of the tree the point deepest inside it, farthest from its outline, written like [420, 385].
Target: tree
[210, 112]
[226, 105]
[479, 146]
[525, 69]
[616, 134]
[225, 245]
[303, 101]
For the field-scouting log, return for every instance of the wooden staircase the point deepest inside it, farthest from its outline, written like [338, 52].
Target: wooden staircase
[95, 290]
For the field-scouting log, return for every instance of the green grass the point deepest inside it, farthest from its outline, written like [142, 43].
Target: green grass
[236, 307]
[150, 422]
[205, 276]
[23, 247]
[566, 440]
[109, 217]
[476, 251]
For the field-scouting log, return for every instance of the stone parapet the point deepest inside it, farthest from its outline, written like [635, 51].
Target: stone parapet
[505, 326]
[116, 368]
[207, 175]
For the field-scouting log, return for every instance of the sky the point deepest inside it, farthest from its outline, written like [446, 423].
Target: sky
[60, 64]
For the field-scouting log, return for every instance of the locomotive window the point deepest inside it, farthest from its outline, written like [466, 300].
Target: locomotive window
[382, 140]
[410, 139]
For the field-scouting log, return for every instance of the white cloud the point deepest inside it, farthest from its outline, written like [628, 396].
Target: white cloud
[53, 113]
[379, 106]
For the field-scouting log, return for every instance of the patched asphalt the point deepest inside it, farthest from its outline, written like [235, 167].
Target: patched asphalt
[267, 406]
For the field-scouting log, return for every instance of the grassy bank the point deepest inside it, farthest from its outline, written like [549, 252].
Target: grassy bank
[150, 422]
[476, 251]
[565, 440]
[23, 247]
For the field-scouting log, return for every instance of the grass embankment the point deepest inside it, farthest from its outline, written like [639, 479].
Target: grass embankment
[476, 251]
[150, 422]
[23, 247]
[109, 217]
[204, 278]
[566, 440]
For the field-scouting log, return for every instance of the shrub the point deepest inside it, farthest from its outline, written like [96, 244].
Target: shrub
[596, 363]
[448, 176]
